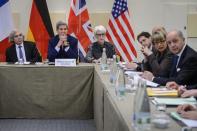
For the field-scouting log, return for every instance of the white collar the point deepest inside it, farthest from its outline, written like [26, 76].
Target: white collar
[22, 45]
[180, 53]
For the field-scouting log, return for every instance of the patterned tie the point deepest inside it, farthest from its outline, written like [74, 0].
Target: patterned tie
[174, 64]
[20, 52]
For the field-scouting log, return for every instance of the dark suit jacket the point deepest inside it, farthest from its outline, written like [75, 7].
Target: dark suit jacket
[192, 87]
[95, 51]
[31, 53]
[159, 64]
[186, 70]
[145, 65]
[71, 53]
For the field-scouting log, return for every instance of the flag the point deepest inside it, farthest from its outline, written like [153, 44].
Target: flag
[40, 28]
[120, 32]
[79, 25]
[6, 26]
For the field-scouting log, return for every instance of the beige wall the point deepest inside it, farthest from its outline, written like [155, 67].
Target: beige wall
[145, 14]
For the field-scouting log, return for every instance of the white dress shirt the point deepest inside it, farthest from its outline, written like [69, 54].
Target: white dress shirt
[23, 51]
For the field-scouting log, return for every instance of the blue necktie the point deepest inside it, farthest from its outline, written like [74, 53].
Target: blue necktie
[174, 63]
[20, 52]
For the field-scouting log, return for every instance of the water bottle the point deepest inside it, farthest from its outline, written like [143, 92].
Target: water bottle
[104, 60]
[113, 71]
[141, 108]
[120, 84]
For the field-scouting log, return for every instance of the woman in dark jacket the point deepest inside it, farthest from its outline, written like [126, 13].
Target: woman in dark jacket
[159, 63]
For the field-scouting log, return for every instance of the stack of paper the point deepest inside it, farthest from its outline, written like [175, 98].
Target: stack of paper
[138, 75]
[175, 101]
[188, 122]
[162, 92]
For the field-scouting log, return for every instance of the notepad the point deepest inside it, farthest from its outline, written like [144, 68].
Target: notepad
[188, 122]
[162, 92]
[175, 101]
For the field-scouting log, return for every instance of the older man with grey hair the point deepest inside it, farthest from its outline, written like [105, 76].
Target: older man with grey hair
[184, 64]
[95, 50]
[21, 50]
[63, 45]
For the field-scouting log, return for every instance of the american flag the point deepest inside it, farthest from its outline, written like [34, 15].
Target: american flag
[79, 25]
[120, 32]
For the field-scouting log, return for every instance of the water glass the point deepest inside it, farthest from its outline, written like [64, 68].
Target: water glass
[186, 128]
[20, 61]
[161, 107]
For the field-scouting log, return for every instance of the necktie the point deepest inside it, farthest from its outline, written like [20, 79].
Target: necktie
[174, 63]
[20, 52]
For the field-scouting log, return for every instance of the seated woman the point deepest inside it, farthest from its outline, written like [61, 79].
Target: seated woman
[95, 50]
[159, 63]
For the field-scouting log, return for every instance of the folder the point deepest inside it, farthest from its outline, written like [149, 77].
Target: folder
[164, 92]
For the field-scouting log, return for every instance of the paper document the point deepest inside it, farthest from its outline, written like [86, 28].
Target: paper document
[151, 84]
[175, 101]
[137, 74]
[188, 122]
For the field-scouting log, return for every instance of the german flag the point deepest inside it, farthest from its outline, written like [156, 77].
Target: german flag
[40, 28]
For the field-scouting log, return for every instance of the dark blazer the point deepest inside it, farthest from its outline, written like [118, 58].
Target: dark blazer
[95, 51]
[71, 53]
[145, 65]
[159, 64]
[192, 86]
[186, 70]
[31, 53]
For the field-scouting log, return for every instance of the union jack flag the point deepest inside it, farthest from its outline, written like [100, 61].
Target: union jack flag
[120, 32]
[79, 25]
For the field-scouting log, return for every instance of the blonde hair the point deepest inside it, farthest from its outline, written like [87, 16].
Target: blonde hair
[158, 37]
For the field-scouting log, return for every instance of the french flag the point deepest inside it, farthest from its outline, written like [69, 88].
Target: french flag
[6, 26]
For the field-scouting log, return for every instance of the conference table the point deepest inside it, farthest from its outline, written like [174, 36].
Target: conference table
[81, 92]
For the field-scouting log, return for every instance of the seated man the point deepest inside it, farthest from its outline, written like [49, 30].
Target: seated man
[21, 50]
[144, 39]
[159, 29]
[96, 49]
[184, 64]
[62, 45]
[187, 111]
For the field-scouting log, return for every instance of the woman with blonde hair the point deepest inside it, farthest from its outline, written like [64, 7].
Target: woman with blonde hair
[159, 63]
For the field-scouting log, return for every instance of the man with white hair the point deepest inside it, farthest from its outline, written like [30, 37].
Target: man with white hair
[21, 50]
[95, 50]
[184, 64]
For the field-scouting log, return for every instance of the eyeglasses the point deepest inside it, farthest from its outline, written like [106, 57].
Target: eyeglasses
[19, 35]
[159, 42]
[103, 34]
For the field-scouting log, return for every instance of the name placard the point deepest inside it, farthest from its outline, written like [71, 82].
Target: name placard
[65, 62]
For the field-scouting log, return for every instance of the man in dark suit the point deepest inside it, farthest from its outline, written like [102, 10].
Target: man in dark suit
[21, 50]
[62, 45]
[144, 38]
[184, 67]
